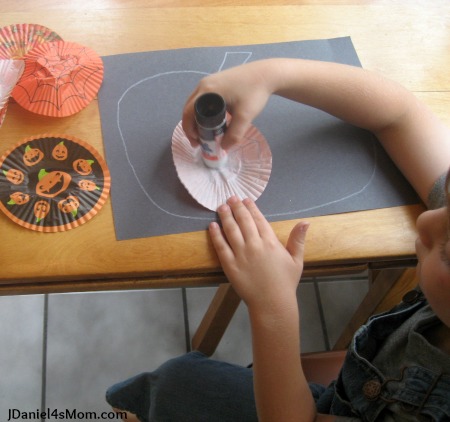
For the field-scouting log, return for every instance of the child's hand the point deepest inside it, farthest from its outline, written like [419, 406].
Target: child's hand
[263, 272]
[245, 90]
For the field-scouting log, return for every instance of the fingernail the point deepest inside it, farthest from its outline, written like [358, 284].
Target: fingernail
[213, 225]
[223, 208]
[232, 199]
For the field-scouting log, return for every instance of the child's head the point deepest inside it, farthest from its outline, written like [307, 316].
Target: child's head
[433, 253]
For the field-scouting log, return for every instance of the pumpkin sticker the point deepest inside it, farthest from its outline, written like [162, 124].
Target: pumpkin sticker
[69, 205]
[53, 183]
[87, 185]
[18, 198]
[14, 176]
[60, 152]
[32, 156]
[41, 209]
[82, 166]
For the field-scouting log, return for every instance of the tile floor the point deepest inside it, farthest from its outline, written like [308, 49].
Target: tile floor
[62, 351]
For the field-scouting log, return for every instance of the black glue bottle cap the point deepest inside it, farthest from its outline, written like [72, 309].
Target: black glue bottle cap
[210, 110]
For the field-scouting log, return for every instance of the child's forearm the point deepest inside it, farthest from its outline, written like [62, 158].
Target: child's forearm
[412, 135]
[360, 97]
[281, 390]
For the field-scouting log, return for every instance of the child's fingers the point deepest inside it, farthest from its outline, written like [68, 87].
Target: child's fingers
[236, 130]
[230, 227]
[188, 120]
[221, 246]
[261, 223]
[243, 218]
[296, 242]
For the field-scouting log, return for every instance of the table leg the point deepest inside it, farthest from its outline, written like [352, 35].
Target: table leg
[216, 320]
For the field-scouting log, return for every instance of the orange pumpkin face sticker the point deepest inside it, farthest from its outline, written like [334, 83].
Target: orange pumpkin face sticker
[53, 183]
[70, 204]
[14, 176]
[32, 156]
[18, 198]
[60, 152]
[41, 209]
[82, 166]
[87, 185]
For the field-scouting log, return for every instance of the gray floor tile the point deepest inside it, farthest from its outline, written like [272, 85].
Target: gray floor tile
[312, 339]
[235, 346]
[339, 301]
[96, 340]
[21, 331]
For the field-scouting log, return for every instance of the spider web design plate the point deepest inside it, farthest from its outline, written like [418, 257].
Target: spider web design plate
[60, 79]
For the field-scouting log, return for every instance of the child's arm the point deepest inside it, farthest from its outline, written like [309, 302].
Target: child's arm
[415, 139]
[265, 274]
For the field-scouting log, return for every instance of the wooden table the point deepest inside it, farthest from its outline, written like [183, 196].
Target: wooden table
[407, 41]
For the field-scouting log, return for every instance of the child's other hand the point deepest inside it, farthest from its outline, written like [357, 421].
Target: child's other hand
[245, 90]
[263, 272]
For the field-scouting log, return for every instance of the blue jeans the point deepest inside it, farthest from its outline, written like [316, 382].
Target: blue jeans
[193, 388]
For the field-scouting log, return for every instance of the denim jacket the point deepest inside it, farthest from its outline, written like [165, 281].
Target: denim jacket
[363, 392]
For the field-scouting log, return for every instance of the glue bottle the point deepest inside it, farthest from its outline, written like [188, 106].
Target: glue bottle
[210, 115]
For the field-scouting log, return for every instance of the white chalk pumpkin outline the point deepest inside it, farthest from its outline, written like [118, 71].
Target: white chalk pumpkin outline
[280, 214]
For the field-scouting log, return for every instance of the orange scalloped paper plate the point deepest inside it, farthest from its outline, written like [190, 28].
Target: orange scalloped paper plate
[16, 40]
[51, 183]
[60, 79]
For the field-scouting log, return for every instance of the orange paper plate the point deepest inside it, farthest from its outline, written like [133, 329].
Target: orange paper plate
[53, 183]
[16, 40]
[60, 79]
